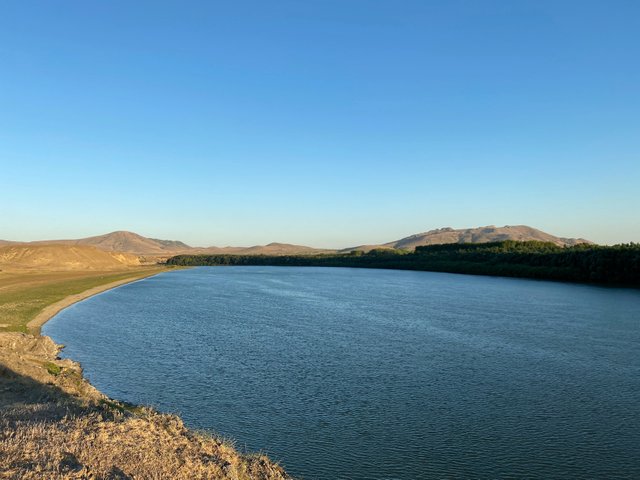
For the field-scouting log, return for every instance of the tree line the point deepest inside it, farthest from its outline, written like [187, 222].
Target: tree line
[618, 264]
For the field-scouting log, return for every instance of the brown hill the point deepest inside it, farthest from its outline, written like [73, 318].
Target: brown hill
[473, 235]
[171, 244]
[270, 249]
[282, 249]
[130, 242]
[216, 250]
[121, 241]
[154, 249]
[63, 257]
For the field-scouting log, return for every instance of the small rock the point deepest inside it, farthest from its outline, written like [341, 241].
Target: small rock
[116, 474]
[69, 463]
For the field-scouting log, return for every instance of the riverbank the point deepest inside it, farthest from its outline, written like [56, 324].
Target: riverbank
[55, 424]
[26, 293]
[34, 326]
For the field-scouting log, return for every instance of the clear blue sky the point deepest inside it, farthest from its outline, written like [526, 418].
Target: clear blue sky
[321, 122]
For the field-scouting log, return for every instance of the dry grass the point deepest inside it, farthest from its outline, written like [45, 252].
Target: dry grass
[55, 425]
[92, 445]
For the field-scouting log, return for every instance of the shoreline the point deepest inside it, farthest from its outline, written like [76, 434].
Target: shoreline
[47, 407]
[34, 325]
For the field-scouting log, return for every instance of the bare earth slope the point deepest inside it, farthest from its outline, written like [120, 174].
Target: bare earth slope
[63, 257]
[473, 235]
[55, 425]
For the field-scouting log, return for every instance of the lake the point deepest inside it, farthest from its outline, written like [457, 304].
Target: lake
[378, 374]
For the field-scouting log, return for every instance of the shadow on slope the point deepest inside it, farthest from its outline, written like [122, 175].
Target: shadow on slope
[48, 432]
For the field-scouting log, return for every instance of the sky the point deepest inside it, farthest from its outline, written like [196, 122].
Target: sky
[327, 123]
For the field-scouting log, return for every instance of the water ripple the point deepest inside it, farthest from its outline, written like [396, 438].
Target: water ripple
[370, 374]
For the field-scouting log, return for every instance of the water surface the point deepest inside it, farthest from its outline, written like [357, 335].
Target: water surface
[378, 374]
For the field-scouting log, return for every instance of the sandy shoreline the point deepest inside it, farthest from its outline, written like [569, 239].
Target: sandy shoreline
[48, 312]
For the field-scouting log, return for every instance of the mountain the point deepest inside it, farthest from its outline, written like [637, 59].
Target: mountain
[157, 250]
[122, 241]
[63, 257]
[130, 242]
[473, 235]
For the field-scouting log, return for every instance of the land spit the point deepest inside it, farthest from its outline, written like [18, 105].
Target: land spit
[50, 311]
[54, 424]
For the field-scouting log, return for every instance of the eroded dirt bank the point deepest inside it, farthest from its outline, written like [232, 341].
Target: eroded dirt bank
[55, 425]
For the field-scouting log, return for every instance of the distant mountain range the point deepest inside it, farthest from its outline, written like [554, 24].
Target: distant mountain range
[473, 235]
[132, 243]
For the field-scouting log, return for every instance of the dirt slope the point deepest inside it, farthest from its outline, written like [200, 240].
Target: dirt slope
[55, 425]
[63, 257]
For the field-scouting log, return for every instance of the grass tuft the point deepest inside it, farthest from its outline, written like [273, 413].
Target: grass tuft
[54, 369]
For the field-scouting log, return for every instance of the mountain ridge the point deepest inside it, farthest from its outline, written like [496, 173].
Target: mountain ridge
[489, 233]
[136, 244]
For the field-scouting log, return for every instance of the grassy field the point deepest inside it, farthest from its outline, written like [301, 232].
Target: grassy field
[23, 294]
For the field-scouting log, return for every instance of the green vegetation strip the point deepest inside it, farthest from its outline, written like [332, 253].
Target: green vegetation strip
[24, 295]
[616, 265]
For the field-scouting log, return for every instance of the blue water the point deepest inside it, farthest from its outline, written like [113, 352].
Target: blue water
[378, 374]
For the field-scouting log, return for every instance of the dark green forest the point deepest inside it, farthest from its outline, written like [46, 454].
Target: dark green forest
[618, 264]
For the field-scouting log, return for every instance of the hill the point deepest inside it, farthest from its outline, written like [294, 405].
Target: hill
[521, 233]
[171, 244]
[270, 249]
[280, 249]
[130, 242]
[120, 241]
[63, 257]
[154, 249]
